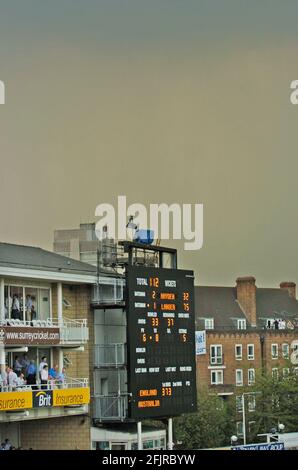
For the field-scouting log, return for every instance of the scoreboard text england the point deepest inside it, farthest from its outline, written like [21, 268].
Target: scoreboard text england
[161, 341]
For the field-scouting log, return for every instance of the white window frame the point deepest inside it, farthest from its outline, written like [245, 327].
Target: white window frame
[239, 403]
[240, 322]
[275, 373]
[239, 384]
[251, 357]
[238, 358]
[272, 346]
[251, 400]
[214, 359]
[25, 285]
[249, 381]
[286, 372]
[287, 354]
[217, 373]
[239, 428]
[211, 325]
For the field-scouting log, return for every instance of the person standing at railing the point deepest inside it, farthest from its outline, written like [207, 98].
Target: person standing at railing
[21, 380]
[17, 366]
[44, 377]
[28, 305]
[25, 363]
[61, 378]
[15, 310]
[12, 378]
[42, 364]
[31, 374]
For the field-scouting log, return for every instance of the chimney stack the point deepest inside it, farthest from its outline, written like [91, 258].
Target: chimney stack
[246, 296]
[290, 287]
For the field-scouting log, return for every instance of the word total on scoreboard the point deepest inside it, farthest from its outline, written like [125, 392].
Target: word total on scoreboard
[161, 341]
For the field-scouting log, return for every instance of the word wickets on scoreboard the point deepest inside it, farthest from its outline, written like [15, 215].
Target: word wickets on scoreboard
[161, 341]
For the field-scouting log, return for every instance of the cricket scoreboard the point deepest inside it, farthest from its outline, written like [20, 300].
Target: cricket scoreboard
[161, 342]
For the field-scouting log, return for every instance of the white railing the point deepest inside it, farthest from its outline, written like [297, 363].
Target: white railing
[108, 294]
[69, 382]
[110, 408]
[74, 331]
[106, 355]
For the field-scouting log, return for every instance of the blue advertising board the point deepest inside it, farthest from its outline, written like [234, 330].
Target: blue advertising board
[265, 446]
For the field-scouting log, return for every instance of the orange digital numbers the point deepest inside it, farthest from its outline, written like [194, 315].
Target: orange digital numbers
[144, 338]
[153, 281]
[166, 391]
[153, 294]
[184, 337]
[185, 296]
[170, 321]
[156, 337]
[186, 307]
[154, 321]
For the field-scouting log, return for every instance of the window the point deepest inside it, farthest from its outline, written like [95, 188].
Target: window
[239, 428]
[209, 323]
[239, 377]
[274, 351]
[251, 376]
[216, 377]
[285, 350]
[27, 303]
[216, 357]
[275, 373]
[251, 403]
[239, 403]
[241, 324]
[286, 372]
[238, 352]
[250, 352]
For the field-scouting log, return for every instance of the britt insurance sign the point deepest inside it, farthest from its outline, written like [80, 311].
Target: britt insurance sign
[18, 335]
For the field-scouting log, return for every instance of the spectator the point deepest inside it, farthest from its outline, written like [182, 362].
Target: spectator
[269, 324]
[28, 305]
[61, 377]
[31, 374]
[2, 447]
[42, 364]
[21, 380]
[12, 378]
[44, 377]
[7, 444]
[33, 313]
[276, 324]
[53, 372]
[15, 311]
[17, 366]
[25, 363]
[4, 377]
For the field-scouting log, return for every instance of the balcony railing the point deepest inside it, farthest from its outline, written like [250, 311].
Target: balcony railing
[109, 355]
[74, 331]
[108, 294]
[110, 408]
[69, 382]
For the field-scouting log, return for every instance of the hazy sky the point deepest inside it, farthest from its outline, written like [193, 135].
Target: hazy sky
[163, 101]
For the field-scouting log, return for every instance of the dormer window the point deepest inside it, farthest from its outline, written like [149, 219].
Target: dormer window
[241, 324]
[209, 323]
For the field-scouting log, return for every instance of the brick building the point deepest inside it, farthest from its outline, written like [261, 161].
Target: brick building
[247, 328]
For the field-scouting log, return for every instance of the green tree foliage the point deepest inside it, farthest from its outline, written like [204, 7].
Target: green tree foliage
[276, 400]
[210, 426]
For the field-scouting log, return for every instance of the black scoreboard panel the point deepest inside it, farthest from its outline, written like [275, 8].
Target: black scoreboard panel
[161, 341]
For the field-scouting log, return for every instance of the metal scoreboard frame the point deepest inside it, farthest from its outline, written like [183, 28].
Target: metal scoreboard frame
[161, 357]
